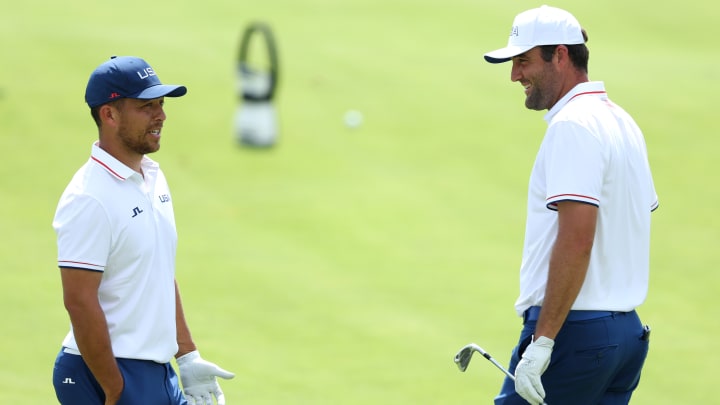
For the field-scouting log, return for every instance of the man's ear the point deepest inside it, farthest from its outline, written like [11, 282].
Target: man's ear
[109, 115]
[562, 55]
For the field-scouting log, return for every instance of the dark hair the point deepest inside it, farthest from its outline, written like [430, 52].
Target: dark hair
[579, 54]
[95, 111]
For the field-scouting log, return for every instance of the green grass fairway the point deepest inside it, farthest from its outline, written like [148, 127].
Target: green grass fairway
[348, 266]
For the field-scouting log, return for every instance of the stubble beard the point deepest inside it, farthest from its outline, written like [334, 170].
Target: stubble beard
[137, 143]
[541, 97]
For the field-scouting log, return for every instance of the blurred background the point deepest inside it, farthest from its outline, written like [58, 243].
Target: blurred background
[347, 265]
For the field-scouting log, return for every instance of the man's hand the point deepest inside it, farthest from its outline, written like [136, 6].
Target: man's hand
[534, 362]
[198, 379]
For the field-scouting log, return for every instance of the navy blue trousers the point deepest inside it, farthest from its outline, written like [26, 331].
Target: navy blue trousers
[146, 382]
[594, 362]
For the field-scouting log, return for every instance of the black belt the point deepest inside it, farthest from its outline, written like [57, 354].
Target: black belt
[532, 314]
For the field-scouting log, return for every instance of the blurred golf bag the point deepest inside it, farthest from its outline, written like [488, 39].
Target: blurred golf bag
[256, 119]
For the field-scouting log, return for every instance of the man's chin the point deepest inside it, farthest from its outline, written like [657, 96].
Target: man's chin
[532, 104]
[150, 149]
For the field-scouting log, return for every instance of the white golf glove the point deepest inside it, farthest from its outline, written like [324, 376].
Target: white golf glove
[198, 379]
[533, 364]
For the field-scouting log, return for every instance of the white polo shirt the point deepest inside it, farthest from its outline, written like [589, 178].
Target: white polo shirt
[592, 152]
[112, 220]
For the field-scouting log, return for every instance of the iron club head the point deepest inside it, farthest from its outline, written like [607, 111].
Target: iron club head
[463, 357]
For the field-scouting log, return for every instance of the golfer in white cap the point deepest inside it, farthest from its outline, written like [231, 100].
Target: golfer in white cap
[585, 260]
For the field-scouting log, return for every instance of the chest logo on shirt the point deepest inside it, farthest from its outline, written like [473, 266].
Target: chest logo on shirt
[136, 211]
[164, 198]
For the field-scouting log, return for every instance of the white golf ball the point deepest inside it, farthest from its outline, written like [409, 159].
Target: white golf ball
[353, 118]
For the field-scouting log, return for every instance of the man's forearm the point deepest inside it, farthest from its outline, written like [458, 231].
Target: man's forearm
[184, 338]
[93, 339]
[568, 266]
[565, 279]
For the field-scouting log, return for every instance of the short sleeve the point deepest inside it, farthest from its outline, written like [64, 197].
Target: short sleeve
[574, 165]
[83, 233]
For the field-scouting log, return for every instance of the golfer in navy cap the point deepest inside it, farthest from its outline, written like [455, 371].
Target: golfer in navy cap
[116, 241]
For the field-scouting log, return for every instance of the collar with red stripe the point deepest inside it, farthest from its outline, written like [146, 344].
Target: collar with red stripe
[109, 163]
[582, 89]
[587, 93]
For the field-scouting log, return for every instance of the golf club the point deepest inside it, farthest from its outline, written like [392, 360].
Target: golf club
[462, 359]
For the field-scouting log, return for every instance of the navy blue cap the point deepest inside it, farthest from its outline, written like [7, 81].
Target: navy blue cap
[127, 77]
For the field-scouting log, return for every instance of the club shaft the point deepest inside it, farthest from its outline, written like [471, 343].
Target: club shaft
[498, 365]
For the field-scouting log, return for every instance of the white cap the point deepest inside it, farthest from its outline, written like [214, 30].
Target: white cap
[540, 26]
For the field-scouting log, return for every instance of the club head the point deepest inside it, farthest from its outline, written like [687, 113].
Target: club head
[463, 357]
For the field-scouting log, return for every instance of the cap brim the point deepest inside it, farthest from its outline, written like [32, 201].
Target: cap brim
[161, 90]
[505, 54]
